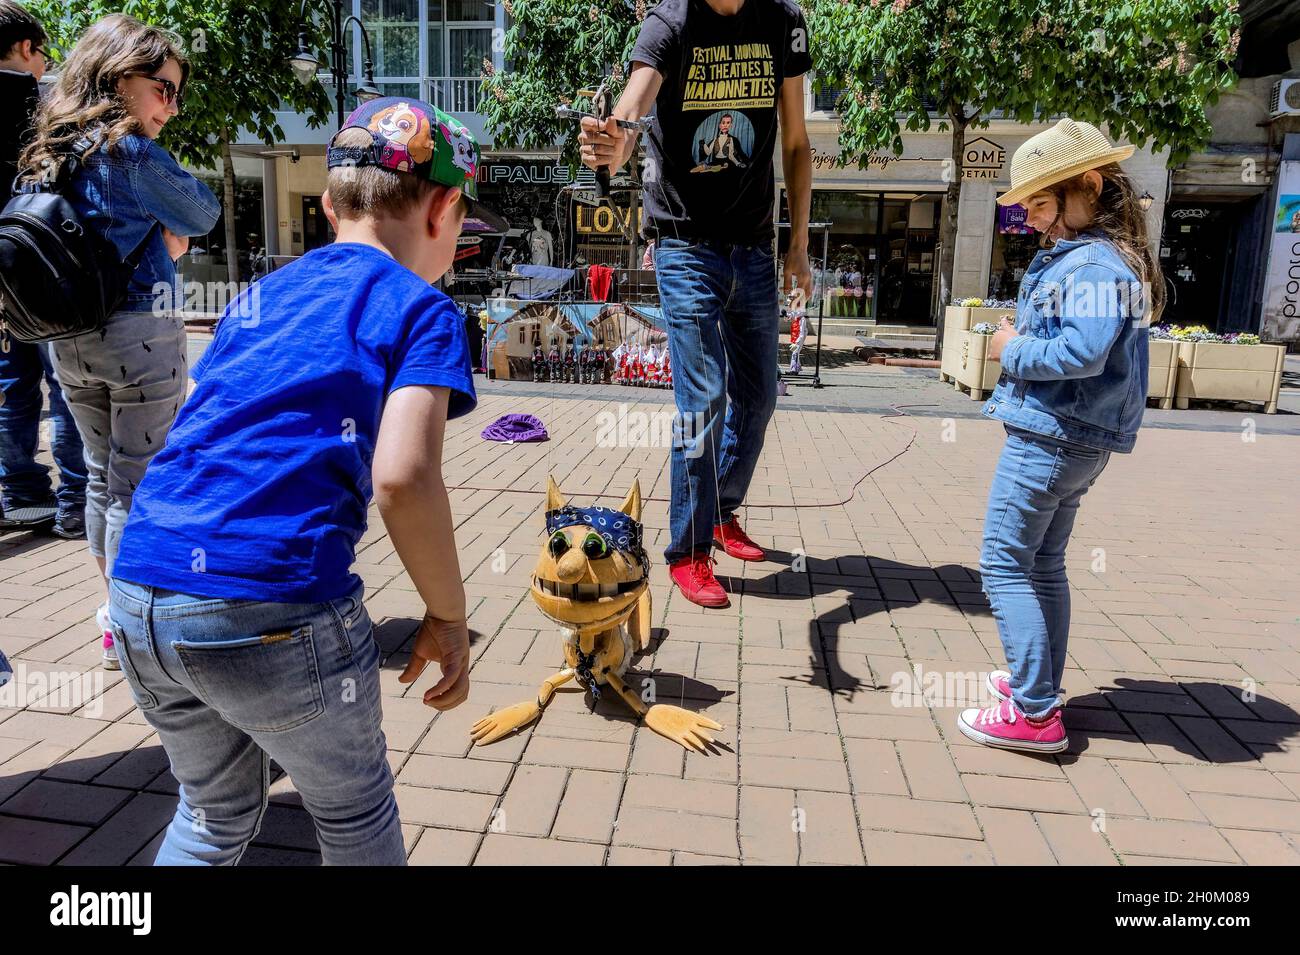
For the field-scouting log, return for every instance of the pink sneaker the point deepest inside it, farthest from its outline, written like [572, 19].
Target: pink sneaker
[999, 684]
[109, 656]
[1005, 727]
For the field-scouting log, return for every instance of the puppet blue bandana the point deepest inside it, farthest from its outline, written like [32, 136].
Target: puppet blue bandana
[617, 529]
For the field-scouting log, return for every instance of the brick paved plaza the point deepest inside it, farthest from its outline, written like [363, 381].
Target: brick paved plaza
[1183, 683]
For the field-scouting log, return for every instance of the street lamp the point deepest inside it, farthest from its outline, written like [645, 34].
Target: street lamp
[1145, 201]
[305, 65]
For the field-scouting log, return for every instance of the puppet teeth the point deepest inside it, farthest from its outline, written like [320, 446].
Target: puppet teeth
[588, 591]
[609, 590]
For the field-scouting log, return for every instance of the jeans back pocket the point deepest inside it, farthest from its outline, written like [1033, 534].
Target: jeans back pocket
[263, 684]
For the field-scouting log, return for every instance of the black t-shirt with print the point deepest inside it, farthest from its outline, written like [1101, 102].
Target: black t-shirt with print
[708, 171]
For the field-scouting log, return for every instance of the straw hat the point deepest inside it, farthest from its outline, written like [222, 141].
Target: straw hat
[1056, 154]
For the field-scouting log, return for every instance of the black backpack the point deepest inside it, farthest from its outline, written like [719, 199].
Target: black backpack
[58, 278]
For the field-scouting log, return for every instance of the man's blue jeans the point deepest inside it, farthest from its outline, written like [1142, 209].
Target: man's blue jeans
[232, 684]
[24, 482]
[1034, 499]
[719, 303]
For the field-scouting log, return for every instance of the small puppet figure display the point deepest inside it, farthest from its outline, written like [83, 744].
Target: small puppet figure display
[607, 363]
[539, 361]
[553, 362]
[636, 367]
[798, 328]
[570, 363]
[593, 579]
[584, 363]
[618, 356]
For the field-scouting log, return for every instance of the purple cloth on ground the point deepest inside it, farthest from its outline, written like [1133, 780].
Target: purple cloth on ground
[516, 427]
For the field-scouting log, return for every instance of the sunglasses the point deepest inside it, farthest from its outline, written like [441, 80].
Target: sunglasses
[166, 87]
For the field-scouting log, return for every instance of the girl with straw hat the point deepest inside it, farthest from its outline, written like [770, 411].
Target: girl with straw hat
[1072, 392]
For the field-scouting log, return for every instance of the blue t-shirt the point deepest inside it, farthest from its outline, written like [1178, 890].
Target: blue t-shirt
[261, 489]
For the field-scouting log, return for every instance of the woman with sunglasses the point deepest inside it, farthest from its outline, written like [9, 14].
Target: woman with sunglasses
[121, 84]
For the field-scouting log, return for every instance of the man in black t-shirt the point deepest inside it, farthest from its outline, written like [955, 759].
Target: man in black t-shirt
[716, 75]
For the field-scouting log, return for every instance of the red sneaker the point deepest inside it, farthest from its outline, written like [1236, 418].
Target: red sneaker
[694, 578]
[1005, 727]
[736, 542]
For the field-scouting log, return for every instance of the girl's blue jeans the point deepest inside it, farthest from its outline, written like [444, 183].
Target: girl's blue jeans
[232, 684]
[1035, 496]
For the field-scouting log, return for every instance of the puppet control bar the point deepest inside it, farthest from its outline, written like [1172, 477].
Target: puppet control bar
[602, 105]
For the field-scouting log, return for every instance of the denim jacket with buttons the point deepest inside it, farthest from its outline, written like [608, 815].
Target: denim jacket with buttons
[123, 192]
[1077, 370]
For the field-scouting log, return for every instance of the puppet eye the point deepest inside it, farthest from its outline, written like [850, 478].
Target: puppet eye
[594, 546]
[559, 543]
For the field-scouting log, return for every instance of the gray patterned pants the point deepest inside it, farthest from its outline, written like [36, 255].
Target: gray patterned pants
[124, 385]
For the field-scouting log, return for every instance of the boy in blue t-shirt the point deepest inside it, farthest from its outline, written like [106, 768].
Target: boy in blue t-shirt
[238, 621]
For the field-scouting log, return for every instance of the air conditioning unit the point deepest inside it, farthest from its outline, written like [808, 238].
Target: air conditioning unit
[1285, 100]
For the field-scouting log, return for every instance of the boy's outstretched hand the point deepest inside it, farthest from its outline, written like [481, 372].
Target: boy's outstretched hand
[447, 642]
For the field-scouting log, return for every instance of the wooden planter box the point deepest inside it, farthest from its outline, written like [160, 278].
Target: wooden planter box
[958, 319]
[1163, 372]
[974, 371]
[1215, 371]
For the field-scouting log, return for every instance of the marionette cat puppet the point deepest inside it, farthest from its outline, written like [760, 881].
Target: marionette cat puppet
[593, 579]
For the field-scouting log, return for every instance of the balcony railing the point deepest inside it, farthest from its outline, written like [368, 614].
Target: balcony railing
[453, 94]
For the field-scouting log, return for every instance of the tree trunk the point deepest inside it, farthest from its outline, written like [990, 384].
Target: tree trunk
[948, 227]
[228, 206]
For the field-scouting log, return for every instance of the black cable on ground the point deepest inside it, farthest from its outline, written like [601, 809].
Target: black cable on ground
[897, 412]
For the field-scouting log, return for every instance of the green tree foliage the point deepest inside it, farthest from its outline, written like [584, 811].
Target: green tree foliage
[1144, 69]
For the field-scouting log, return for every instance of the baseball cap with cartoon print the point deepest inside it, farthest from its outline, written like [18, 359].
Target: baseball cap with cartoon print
[409, 135]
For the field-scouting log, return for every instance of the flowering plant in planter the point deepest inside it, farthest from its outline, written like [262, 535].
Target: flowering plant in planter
[983, 328]
[1199, 333]
[974, 302]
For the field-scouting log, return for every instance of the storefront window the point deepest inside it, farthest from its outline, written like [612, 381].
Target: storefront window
[1014, 246]
[880, 257]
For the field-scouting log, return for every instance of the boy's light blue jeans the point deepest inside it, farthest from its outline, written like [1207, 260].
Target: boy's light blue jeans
[232, 684]
[720, 306]
[1035, 496]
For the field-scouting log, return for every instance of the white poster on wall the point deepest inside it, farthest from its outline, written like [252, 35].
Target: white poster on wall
[1281, 320]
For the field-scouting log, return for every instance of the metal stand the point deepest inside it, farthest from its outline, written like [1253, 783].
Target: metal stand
[825, 229]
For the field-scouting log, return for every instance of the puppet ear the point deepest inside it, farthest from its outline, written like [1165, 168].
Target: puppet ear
[553, 499]
[632, 503]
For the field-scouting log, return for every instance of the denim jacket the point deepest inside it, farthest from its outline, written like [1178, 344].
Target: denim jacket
[122, 194]
[1077, 370]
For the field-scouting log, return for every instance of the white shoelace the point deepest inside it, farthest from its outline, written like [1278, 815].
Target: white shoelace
[993, 714]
